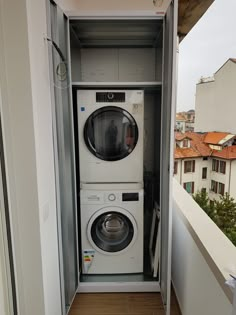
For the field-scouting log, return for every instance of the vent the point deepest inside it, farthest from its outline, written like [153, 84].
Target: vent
[110, 97]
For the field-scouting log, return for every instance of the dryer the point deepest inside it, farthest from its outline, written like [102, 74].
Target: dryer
[112, 231]
[110, 127]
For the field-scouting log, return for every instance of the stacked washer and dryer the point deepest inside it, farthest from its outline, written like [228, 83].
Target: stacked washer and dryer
[110, 132]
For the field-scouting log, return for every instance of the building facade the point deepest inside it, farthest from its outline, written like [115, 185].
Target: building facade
[215, 98]
[184, 121]
[206, 162]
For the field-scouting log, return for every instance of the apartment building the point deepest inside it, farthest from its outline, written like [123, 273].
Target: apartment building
[184, 121]
[206, 161]
[211, 94]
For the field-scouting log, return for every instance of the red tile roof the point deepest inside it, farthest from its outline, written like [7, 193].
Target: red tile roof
[228, 153]
[183, 153]
[199, 147]
[179, 136]
[215, 137]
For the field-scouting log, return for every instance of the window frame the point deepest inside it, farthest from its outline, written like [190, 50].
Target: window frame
[204, 175]
[214, 186]
[185, 143]
[175, 167]
[192, 166]
[192, 187]
[221, 189]
[222, 167]
[215, 165]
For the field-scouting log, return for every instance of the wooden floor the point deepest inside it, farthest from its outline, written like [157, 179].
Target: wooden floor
[121, 304]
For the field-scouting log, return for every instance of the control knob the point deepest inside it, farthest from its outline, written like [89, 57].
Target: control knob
[111, 197]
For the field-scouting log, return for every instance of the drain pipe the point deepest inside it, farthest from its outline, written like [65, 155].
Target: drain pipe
[229, 176]
[181, 161]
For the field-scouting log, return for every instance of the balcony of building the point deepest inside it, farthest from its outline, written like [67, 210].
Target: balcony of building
[202, 259]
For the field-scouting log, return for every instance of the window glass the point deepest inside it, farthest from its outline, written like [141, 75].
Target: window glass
[112, 231]
[215, 165]
[175, 167]
[214, 186]
[221, 189]
[204, 173]
[111, 133]
[222, 167]
[189, 187]
[189, 166]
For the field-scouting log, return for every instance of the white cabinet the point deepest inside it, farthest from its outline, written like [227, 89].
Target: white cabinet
[114, 52]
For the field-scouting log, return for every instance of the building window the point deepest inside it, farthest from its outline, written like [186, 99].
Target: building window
[205, 158]
[189, 187]
[204, 190]
[175, 167]
[185, 143]
[218, 166]
[214, 186]
[189, 166]
[221, 189]
[215, 165]
[204, 173]
[222, 167]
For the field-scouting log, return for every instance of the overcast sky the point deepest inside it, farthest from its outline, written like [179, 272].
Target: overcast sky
[205, 49]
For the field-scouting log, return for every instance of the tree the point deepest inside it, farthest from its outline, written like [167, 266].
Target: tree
[201, 197]
[225, 216]
[222, 212]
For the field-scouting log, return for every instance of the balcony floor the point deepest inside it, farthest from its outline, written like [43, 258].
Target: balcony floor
[121, 304]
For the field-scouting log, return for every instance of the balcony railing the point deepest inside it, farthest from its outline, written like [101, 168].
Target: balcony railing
[203, 259]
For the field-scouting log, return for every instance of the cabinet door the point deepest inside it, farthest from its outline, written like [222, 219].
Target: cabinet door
[8, 298]
[64, 148]
[167, 145]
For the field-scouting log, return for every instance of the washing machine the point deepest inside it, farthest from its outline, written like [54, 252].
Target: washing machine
[110, 127]
[112, 231]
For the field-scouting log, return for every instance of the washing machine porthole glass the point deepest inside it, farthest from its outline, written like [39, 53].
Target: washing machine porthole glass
[111, 133]
[112, 231]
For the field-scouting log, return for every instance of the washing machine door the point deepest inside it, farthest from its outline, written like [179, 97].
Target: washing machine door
[111, 133]
[112, 230]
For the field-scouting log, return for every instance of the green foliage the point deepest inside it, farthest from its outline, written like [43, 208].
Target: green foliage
[222, 212]
[201, 197]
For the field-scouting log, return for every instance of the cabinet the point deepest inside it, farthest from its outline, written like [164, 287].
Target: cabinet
[103, 53]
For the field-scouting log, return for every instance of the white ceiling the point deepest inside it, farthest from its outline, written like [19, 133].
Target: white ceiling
[80, 7]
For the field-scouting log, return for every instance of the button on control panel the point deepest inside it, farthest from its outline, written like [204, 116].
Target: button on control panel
[111, 197]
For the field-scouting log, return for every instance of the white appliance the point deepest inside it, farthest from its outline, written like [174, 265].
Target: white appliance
[110, 126]
[112, 231]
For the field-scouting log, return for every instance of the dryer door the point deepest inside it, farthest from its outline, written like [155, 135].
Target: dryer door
[112, 230]
[111, 133]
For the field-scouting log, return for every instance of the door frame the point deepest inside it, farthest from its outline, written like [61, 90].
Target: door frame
[50, 3]
[167, 140]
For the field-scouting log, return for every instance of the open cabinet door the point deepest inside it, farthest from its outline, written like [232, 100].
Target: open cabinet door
[8, 298]
[64, 148]
[167, 145]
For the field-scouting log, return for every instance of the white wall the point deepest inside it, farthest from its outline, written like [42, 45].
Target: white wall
[215, 102]
[27, 130]
[232, 186]
[196, 176]
[197, 288]
[220, 178]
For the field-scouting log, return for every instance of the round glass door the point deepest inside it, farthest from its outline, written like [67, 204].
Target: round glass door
[112, 231]
[111, 133]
